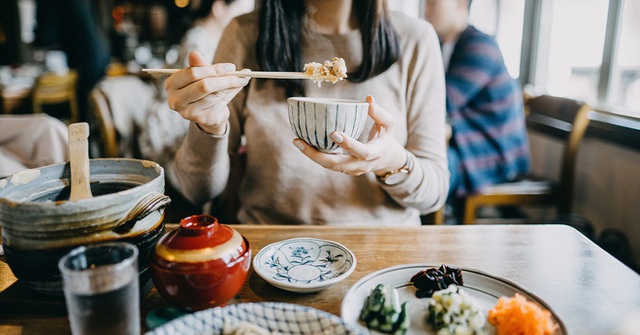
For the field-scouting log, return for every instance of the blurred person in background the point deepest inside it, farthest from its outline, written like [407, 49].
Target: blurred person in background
[70, 26]
[210, 18]
[45, 142]
[488, 137]
[11, 46]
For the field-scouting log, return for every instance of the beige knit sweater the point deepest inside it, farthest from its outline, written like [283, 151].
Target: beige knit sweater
[281, 185]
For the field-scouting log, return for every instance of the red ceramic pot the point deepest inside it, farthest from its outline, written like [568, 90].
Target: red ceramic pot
[200, 265]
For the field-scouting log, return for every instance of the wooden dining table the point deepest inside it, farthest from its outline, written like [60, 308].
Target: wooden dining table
[588, 289]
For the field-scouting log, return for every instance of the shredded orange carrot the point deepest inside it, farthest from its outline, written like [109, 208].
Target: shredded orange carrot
[517, 316]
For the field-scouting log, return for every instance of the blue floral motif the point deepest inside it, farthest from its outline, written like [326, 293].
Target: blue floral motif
[332, 258]
[300, 256]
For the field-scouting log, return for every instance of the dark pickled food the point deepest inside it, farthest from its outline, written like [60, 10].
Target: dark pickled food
[434, 279]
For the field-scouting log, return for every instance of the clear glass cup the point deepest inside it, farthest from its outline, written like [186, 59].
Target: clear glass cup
[101, 288]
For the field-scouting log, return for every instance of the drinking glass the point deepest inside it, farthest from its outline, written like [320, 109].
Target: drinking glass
[101, 288]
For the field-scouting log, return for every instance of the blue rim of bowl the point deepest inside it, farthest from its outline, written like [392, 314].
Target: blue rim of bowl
[284, 285]
[190, 323]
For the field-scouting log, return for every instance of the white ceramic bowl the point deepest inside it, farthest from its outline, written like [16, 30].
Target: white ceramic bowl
[304, 265]
[314, 119]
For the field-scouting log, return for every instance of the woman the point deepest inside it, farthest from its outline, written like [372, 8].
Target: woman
[391, 57]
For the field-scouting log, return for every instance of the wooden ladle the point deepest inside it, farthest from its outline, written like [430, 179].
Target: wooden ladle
[79, 159]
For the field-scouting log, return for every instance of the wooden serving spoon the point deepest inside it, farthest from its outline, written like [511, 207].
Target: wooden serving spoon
[79, 160]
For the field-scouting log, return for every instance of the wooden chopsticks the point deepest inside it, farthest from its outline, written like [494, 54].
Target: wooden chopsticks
[247, 73]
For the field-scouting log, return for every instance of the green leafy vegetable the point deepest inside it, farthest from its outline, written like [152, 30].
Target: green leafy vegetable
[381, 311]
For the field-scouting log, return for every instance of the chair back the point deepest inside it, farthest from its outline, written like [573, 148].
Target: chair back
[106, 131]
[567, 120]
[53, 88]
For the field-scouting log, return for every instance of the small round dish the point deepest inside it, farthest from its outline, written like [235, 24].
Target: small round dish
[305, 264]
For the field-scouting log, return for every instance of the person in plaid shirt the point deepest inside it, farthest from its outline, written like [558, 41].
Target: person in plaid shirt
[488, 140]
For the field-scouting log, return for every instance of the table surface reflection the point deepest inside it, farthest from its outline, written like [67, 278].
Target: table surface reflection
[588, 289]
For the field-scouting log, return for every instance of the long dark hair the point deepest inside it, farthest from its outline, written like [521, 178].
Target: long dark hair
[280, 38]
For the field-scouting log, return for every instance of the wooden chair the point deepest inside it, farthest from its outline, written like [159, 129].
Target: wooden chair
[435, 218]
[105, 138]
[561, 118]
[53, 88]
[106, 135]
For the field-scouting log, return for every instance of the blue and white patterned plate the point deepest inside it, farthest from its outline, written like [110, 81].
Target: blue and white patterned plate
[277, 318]
[304, 264]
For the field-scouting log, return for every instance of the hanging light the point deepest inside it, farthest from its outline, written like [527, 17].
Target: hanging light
[181, 3]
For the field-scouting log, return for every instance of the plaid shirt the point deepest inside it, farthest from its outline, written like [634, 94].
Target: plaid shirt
[485, 110]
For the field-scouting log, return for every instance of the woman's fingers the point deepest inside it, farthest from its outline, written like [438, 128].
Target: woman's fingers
[195, 58]
[379, 115]
[204, 87]
[365, 152]
[202, 91]
[343, 163]
[204, 79]
[333, 162]
[200, 68]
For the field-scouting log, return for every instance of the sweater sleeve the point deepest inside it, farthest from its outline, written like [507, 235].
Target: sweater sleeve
[428, 183]
[204, 161]
[202, 165]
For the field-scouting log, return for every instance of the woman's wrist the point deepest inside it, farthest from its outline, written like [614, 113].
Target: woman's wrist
[399, 160]
[399, 175]
[214, 130]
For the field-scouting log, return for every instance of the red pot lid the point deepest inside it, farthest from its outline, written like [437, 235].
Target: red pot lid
[200, 238]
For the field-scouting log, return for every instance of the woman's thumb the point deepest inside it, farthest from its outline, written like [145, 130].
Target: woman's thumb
[196, 59]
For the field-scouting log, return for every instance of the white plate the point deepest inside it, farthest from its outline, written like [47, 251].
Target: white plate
[304, 264]
[484, 288]
[273, 316]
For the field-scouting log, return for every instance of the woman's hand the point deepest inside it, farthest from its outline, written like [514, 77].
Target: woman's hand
[201, 92]
[381, 154]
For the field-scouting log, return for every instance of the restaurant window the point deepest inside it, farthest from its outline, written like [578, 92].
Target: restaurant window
[587, 50]
[624, 90]
[503, 20]
[577, 31]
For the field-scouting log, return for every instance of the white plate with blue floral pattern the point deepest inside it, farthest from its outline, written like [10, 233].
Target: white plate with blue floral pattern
[304, 265]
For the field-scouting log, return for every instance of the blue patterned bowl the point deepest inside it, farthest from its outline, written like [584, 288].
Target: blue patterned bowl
[304, 265]
[274, 317]
[314, 119]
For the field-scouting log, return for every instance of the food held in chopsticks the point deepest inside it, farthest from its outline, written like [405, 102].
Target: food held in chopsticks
[453, 311]
[433, 279]
[517, 315]
[332, 70]
[381, 311]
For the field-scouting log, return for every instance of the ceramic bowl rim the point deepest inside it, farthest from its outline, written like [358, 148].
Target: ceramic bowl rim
[328, 101]
[296, 287]
[158, 177]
